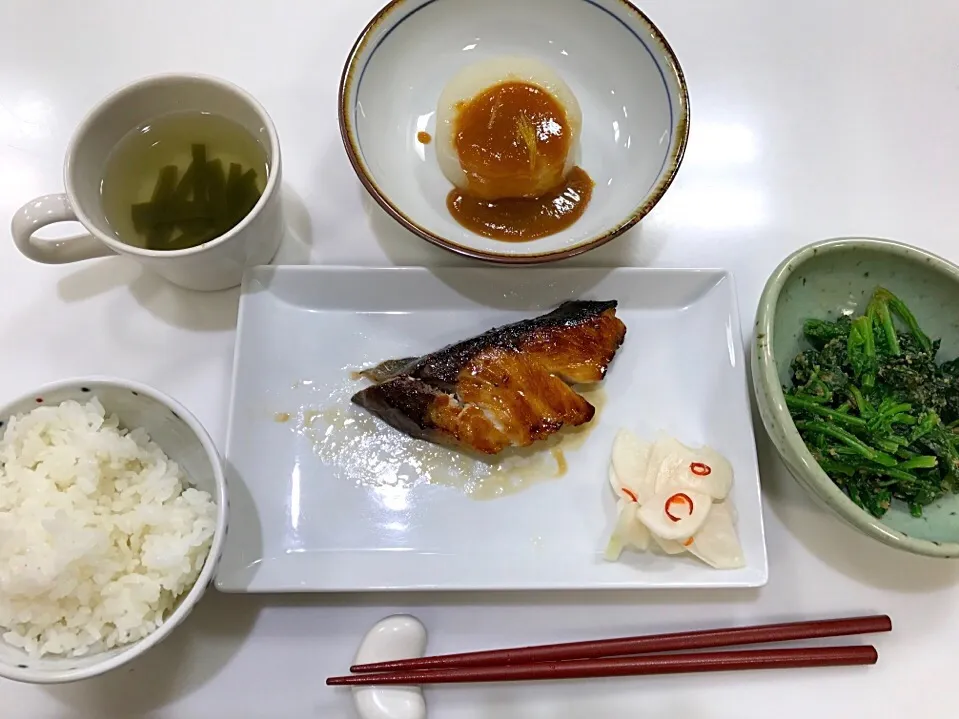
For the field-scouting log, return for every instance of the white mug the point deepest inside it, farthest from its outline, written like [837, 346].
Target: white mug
[214, 265]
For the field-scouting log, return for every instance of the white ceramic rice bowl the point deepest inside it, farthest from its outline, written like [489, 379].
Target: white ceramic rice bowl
[181, 437]
[626, 77]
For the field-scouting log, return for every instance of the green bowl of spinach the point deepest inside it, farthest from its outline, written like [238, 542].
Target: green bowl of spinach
[857, 381]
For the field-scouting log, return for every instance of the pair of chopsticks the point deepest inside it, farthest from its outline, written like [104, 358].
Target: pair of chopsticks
[618, 657]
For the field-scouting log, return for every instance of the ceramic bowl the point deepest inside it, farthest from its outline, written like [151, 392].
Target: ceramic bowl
[821, 281]
[180, 435]
[626, 77]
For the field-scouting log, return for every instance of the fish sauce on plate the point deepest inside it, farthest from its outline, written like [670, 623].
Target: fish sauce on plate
[363, 450]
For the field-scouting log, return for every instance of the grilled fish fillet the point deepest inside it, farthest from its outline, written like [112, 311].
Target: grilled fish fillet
[508, 387]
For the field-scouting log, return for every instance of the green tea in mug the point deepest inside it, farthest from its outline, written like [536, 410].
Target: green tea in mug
[181, 180]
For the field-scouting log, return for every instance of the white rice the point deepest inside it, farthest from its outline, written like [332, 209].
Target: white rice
[98, 536]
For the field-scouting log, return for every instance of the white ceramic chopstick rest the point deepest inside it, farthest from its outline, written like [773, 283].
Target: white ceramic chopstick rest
[399, 636]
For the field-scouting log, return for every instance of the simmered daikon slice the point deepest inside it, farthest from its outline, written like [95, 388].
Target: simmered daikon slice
[631, 463]
[676, 467]
[675, 515]
[716, 542]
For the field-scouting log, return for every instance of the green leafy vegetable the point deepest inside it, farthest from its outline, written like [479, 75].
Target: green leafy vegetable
[206, 202]
[861, 351]
[876, 411]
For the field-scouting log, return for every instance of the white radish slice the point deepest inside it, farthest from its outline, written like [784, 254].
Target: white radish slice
[616, 543]
[623, 493]
[628, 532]
[677, 467]
[675, 515]
[615, 483]
[668, 546]
[637, 536]
[631, 462]
[716, 542]
[732, 510]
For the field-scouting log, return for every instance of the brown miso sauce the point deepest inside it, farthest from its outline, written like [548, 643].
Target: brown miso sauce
[522, 219]
[424, 138]
[512, 140]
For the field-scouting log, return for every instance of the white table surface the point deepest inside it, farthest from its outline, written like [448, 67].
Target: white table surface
[809, 119]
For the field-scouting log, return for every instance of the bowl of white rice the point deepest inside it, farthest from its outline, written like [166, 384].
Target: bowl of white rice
[113, 512]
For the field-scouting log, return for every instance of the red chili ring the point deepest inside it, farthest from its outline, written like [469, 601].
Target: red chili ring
[631, 495]
[700, 469]
[678, 497]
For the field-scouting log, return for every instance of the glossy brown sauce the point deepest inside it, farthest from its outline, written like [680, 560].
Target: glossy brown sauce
[518, 220]
[424, 138]
[512, 140]
[562, 466]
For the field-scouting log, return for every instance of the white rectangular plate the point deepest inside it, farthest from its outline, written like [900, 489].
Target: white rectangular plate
[306, 516]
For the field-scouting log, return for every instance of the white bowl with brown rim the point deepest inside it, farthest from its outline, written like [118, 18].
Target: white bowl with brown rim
[618, 64]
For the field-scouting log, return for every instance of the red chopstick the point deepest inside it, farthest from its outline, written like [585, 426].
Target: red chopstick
[650, 644]
[626, 666]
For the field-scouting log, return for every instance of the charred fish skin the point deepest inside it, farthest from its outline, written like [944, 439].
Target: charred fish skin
[508, 387]
[442, 368]
[444, 365]
[403, 403]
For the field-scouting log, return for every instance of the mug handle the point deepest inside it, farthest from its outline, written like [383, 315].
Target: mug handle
[47, 210]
